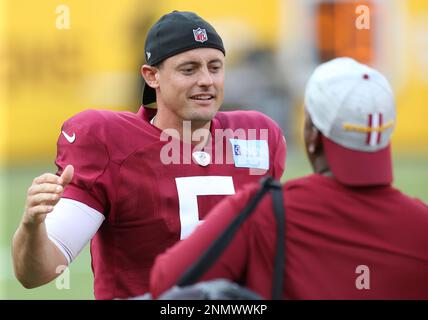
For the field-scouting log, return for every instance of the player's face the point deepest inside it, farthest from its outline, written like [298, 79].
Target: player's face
[191, 84]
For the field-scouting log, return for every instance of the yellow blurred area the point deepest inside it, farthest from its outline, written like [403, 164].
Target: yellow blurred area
[48, 74]
[54, 73]
[3, 88]
[412, 98]
[3, 132]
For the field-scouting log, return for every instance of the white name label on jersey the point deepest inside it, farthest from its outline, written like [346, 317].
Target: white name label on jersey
[250, 153]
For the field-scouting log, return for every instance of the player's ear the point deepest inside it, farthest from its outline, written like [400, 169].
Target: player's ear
[149, 74]
[315, 142]
[312, 136]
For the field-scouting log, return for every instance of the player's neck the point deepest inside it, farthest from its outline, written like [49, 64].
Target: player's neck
[184, 129]
[320, 165]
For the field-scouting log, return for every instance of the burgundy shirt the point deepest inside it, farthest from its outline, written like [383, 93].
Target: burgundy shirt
[118, 171]
[333, 232]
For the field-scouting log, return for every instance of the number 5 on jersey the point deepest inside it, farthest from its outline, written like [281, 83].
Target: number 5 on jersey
[189, 188]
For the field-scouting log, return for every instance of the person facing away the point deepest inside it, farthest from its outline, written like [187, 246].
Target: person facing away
[137, 183]
[349, 234]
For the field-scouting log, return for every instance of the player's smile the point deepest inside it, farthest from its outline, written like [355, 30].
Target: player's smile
[203, 99]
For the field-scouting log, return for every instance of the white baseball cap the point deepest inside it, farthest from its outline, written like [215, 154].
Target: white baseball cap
[353, 106]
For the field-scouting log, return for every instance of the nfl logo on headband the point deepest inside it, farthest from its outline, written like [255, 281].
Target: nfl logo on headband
[200, 35]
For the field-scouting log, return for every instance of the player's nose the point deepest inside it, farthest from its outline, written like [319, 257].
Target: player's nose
[205, 78]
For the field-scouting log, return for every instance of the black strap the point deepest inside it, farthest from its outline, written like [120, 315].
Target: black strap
[217, 247]
[279, 265]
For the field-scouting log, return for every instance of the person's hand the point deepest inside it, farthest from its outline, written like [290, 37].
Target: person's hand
[43, 194]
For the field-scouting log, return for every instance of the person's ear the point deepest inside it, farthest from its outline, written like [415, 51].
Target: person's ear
[149, 74]
[314, 143]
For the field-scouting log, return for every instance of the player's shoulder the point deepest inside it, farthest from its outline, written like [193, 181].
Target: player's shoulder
[308, 184]
[109, 128]
[95, 118]
[246, 119]
[413, 203]
[104, 124]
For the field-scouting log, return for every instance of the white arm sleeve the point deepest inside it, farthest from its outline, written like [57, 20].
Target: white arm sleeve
[71, 225]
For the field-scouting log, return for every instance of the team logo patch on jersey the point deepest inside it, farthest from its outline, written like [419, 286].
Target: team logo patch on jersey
[200, 35]
[250, 153]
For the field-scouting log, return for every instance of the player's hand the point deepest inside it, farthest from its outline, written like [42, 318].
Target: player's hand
[44, 194]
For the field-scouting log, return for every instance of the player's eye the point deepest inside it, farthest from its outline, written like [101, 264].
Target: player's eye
[188, 70]
[215, 68]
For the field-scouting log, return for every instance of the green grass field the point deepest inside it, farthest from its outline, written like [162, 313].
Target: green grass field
[411, 176]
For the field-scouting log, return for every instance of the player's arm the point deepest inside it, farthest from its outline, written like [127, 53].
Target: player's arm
[63, 213]
[35, 257]
[51, 238]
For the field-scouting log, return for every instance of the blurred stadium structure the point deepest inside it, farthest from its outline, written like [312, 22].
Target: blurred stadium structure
[48, 74]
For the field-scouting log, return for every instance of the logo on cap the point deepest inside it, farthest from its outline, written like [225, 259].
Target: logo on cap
[149, 54]
[200, 35]
[373, 130]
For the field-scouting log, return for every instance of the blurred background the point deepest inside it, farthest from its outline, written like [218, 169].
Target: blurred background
[58, 58]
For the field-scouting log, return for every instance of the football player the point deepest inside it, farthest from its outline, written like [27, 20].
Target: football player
[137, 183]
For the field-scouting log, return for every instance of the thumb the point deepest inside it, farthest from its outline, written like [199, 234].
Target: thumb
[67, 175]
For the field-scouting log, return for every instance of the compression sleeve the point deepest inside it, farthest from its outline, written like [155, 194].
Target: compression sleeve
[71, 225]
